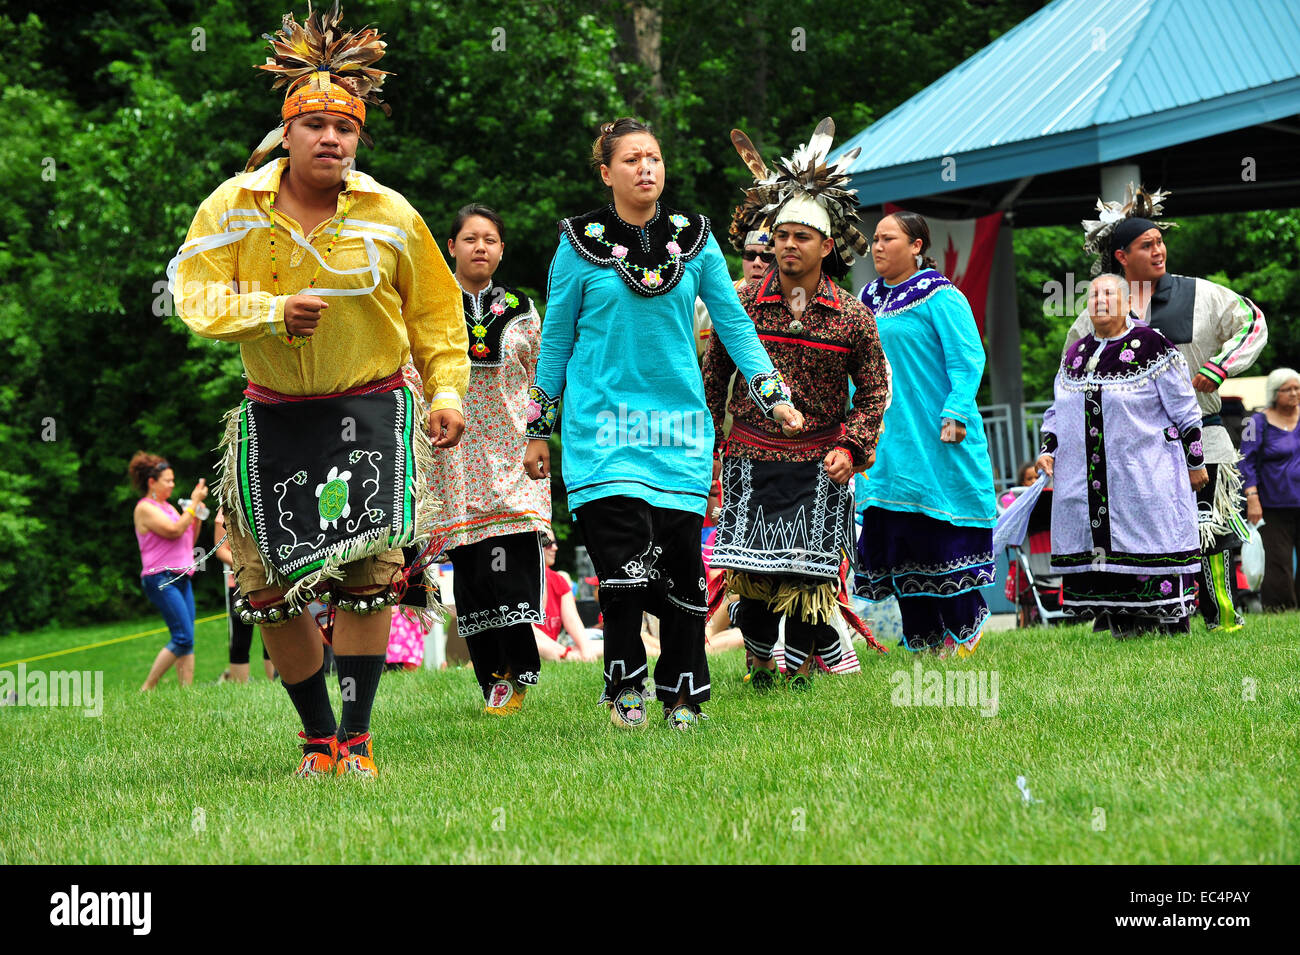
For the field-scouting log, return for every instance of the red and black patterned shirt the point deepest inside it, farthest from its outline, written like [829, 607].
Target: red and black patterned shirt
[833, 340]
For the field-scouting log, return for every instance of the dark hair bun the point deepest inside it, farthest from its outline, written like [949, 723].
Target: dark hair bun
[141, 469]
[914, 224]
[602, 148]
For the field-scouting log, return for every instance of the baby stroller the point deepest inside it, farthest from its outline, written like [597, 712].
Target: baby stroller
[1030, 582]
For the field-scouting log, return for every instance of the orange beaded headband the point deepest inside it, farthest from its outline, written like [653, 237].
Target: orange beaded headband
[319, 94]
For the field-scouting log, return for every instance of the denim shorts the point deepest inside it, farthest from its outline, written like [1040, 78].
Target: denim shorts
[176, 604]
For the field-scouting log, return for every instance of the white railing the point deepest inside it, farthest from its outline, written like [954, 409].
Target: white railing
[1004, 443]
[1031, 416]
[1012, 442]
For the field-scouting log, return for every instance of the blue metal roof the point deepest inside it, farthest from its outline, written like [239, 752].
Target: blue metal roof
[1083, 82]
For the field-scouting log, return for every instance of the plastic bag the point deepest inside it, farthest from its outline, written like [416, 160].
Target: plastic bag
[1252, 557]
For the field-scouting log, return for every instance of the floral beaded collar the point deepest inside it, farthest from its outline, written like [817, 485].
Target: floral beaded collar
[1133, 355]
[885, 299]
[649, 260]
[487, 316]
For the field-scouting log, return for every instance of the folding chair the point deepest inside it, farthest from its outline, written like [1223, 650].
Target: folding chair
[1043, 585]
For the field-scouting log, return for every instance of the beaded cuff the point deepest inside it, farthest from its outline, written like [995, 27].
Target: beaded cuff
[542, 412]
[769, 390]
[1213, 372]
[1193, 449]
[855, 460]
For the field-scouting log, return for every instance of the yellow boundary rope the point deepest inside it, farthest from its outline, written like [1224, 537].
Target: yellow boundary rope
[105, 643]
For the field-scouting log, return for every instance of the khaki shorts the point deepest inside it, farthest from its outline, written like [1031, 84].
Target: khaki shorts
[377, 570]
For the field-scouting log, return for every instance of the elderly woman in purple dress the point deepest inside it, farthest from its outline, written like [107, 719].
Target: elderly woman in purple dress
[1123, 442]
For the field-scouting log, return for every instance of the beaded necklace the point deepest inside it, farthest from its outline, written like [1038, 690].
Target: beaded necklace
[296, 341]
[480, 327]
[650, 277]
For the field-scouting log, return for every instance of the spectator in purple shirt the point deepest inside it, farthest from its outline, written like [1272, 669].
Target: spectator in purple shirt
[1270, 472]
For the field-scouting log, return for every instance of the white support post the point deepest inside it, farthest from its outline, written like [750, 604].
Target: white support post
[1115, 180]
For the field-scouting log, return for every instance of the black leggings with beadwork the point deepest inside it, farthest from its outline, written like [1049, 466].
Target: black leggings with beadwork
[499, 594]
[647, 559]
[1217, 579]
[508, 651]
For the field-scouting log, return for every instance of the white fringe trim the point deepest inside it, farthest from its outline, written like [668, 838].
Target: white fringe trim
[227, 485]
[427, 506]
[1225, 511]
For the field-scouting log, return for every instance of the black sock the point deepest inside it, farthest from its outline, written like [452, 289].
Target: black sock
[312, 701]
[358, 680]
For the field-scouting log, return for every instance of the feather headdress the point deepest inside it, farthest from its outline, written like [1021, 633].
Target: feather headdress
[803, 178]
[325, 68]
[1137, 204]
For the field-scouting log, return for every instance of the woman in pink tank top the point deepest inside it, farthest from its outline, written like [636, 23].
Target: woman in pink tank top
[166, 537]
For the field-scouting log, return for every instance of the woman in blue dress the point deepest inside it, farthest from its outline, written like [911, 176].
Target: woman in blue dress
[618, 344]
[927, 531]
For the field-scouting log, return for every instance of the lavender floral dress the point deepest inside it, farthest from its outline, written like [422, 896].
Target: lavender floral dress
[1125, 429]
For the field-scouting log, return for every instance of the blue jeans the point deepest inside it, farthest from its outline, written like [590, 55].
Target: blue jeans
[176, 604]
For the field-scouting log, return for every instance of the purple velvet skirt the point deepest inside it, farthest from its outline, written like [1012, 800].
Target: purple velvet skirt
[934, 568]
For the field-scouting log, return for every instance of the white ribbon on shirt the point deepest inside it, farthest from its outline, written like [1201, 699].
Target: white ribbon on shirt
[236, 231]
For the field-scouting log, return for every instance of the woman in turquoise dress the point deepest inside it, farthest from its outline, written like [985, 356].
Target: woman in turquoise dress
[927, 531]
[618, 345]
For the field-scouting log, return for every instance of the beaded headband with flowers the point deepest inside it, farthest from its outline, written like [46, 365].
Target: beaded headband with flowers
[1099, 233]
[803, 186]
[326, 70]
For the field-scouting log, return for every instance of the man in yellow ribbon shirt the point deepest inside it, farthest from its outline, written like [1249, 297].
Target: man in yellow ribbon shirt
[329, 282]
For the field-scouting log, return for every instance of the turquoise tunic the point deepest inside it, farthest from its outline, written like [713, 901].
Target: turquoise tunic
[634, 421]
[934, 350]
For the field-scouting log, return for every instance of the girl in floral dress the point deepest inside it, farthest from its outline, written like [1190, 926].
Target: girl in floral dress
[493, 517]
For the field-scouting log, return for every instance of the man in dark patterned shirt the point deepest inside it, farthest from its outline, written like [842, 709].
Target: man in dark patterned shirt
[786, 531]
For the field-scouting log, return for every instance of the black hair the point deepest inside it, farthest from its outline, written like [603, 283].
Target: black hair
[602, 147]
[916, 227]
[477, 209]
[833, 265]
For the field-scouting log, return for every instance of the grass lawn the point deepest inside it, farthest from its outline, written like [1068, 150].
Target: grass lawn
[1146, 751]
